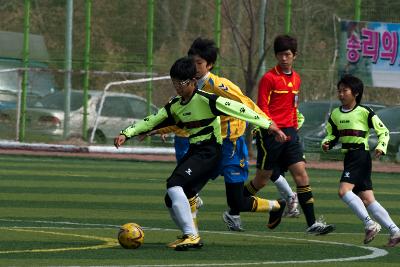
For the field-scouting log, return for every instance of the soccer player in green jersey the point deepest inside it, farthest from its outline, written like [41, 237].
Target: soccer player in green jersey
[198, 113]
[350, 124]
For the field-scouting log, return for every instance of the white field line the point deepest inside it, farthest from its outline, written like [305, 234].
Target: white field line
[374, 252]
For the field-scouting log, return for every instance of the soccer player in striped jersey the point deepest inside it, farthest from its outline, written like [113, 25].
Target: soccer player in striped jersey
[234, 163]
[350, 124]
[198, 113]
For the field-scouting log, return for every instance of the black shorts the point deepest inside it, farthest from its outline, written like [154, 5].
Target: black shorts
[198, 165]
[274, 155]
[357, 170]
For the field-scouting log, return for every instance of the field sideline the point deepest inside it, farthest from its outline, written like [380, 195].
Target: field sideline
[65, 211]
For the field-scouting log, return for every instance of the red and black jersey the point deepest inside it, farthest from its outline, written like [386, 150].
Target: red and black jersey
[278, 96]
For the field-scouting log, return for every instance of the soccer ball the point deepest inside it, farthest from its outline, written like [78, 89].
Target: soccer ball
[130, 236]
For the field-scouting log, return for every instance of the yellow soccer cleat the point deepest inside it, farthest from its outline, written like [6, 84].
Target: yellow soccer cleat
[189, 241]
[174, 243]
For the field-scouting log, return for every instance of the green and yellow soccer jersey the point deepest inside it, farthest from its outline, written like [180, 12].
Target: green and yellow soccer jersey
[300, 119]
[352, 129]
[199, 117]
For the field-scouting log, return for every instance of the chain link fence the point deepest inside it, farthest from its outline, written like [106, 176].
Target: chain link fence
[118, 39]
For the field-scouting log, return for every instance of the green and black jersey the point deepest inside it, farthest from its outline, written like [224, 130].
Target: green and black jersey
[352, 129]
[199, 117]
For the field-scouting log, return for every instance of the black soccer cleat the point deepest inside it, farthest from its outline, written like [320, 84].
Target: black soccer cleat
[275, 217]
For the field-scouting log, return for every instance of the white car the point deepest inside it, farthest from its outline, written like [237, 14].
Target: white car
[46, 118]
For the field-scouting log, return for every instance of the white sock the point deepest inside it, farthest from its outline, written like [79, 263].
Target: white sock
[181, 210]
[173, 216]
[356, 204]
[272, 204]
[283, 187]
[382, 216]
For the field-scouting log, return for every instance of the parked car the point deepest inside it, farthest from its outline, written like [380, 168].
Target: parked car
[312, 137]
[40, 83]
[46, 118]
[41, 80]
[315, 113]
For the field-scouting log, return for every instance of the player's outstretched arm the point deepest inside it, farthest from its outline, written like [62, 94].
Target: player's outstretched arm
[144, 127]
[241, 111]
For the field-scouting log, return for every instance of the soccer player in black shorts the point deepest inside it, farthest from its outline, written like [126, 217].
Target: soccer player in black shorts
[198, 113]
[350, 124]
[278, 92]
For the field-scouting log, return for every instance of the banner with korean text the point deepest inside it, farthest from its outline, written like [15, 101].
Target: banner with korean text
[370, 51]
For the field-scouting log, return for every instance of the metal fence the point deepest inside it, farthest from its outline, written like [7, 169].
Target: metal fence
[110, 39]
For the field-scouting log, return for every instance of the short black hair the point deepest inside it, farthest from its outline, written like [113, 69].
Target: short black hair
[355, 84]
[204, 48]
[285, 42]
[183, 69]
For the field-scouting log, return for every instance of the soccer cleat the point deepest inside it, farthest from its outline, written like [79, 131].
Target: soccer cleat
[292, 210]
[174, 243]
[371, 232]
[320, 227]
[394, 239]
[233, 222]
[189, 241]
[275, 217]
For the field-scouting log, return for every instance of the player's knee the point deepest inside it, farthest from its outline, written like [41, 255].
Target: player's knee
[367, 201]
[341, 192]
[344, 188]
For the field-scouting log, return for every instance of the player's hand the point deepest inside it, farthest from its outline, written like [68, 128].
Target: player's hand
[164, 137]
[378, 153]
[325, 146]
[279, 135]
[119, 140]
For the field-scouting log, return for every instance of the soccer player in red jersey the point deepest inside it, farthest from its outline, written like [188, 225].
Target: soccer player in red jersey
[278, 95]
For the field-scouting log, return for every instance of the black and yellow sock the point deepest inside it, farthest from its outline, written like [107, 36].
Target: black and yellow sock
[306, 201]
[193, 209]
[249, 189]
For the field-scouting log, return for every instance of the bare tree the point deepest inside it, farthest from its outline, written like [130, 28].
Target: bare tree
[246, 40]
